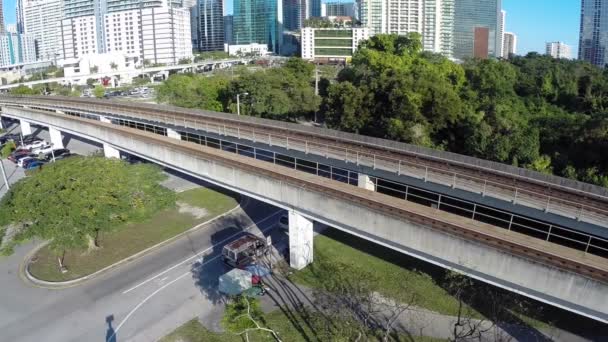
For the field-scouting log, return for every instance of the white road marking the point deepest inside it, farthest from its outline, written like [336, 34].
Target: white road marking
[199, 253]
[165, 278]
[181, 276]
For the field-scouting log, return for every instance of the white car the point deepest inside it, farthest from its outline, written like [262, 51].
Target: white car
[23, 160]
[46, 150]
[36, 145]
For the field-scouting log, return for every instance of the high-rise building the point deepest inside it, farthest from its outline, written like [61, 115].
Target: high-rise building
[258, 21]
[476, 29]
[228, 29]
[156, 31]
[433, 19]
[2, 30]
[373, 16]
[19, 14]
[293, 16]
[11, 28]
[558, 50]
[42, 20]
[501, 32]
[593, 39]
[210, 25]
[313, 8]
[332, 43]
[338, 9]
[509, 44]
[16, 48]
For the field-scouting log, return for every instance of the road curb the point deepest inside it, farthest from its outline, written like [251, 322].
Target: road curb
[57, 285]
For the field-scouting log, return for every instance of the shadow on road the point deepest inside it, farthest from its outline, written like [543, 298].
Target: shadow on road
[110, 333]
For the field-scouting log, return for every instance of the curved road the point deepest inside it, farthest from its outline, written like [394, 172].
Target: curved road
[142, 300]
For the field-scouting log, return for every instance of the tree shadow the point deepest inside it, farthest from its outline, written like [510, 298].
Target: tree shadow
[110, 332]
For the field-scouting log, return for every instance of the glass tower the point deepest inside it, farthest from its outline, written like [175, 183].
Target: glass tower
[258, 21]
[211, 25]
[292, 14]
[477, 29]
[593, 39]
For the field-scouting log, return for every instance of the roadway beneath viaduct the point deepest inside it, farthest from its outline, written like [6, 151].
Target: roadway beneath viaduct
[361, 213]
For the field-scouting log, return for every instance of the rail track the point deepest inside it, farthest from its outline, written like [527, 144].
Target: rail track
[560, 196]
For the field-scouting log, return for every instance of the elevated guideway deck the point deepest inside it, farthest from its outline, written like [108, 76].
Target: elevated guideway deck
[543, 270]
[545, 207]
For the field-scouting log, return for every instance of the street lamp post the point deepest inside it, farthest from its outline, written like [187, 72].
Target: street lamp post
[238, 102]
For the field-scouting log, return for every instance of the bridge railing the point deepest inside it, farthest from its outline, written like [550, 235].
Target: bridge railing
[364, 157]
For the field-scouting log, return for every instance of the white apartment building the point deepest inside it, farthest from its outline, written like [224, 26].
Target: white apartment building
[433, 19]
[42, 20]
[559, 50]
[156, 34]
[509, 44]
[322, 43]
[247, 49]
[16, 49]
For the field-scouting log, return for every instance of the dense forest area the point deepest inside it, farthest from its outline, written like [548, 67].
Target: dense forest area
[534, 111]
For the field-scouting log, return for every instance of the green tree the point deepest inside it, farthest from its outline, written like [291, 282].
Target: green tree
[244, 315]
[114, 66]
[72, 203]
[99, 91]
[95, 69]
[184, 61]
[193, 91]
[6, 150]
[91, 82]
[23, 90]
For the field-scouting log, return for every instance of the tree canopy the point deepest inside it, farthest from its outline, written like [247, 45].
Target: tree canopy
[72, 201]
[534, 111]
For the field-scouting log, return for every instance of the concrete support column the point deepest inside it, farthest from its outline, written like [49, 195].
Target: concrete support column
[105, 119]
[110, 152]
[26, 128]
[171, 133]
[55, 137]
[300, 240]
[366, 182]
[1, 124]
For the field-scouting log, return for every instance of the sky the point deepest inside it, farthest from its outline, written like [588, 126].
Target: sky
[535, 22]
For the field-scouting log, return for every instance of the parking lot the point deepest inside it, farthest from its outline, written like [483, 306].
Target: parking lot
[175, 181]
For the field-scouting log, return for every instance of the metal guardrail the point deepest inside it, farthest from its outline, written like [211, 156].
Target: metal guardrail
[456, 180]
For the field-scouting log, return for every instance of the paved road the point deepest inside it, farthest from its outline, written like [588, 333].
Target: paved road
[146, 298]
[140, 301]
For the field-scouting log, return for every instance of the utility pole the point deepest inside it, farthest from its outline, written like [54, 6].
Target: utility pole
[4, 175]
[316, 86]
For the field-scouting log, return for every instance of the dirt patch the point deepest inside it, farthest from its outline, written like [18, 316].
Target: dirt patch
[185, 208]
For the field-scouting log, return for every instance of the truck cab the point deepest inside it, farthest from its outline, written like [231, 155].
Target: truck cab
[244, 251]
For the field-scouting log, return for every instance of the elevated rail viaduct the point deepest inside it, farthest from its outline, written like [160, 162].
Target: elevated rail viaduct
[404, 197]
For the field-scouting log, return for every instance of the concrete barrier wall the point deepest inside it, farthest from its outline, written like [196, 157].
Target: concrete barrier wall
[549, 284]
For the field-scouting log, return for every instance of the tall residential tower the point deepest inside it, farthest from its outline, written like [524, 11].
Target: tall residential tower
[593, 39]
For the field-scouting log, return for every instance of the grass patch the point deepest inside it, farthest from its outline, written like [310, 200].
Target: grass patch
[390, 272]
[132, 238]
[193, 331]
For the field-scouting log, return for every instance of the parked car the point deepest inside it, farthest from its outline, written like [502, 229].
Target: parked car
[22, 161]
[15, 157]
[66, 155]
[47, 154]
[34, 165]
[8, 137]
[12, 157]
[36, 145]
[28, 161]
